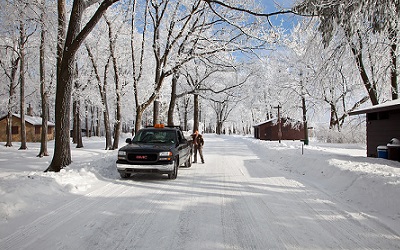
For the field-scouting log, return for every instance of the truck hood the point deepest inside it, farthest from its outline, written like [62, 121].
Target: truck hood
[147, 146]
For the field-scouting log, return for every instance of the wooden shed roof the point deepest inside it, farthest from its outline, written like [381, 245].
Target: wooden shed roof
[389, 105]
[33, 120]
[275, 121]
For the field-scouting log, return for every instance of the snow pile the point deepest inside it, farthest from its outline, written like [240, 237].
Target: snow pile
[343, 171]
[25, 187]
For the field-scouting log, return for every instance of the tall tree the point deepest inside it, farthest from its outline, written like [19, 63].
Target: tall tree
[43, 89]
[112, 39]
[102, 86]
[22, 42]
[66, 52]
[9, 63]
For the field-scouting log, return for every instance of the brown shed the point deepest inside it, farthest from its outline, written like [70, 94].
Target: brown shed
[33, 128]
[268, 130]
[383, 124]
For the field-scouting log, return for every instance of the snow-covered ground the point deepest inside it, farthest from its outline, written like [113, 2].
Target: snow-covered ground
[249, 194]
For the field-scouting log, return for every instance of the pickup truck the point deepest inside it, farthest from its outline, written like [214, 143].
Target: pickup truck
[158, 149]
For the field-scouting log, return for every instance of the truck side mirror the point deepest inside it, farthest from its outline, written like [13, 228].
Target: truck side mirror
[128, 140]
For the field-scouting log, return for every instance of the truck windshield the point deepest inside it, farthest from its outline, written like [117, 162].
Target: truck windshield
[155, 136]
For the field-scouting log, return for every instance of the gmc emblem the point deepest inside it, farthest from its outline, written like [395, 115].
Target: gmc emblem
[141, 157]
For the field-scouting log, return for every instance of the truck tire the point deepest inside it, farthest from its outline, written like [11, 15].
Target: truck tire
[174, 173]
[188, 162]
[124, 175]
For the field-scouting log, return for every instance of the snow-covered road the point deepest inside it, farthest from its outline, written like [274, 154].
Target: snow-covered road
[243, 197]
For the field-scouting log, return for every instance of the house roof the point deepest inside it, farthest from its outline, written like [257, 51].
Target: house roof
[264, 122]
[33, 120]
[275, 121]
[389, 105]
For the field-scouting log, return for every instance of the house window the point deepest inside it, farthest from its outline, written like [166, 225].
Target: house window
[15, 130]
[37, 130]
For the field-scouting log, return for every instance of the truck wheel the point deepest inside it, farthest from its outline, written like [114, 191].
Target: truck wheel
[188, 163]
[174, 172]
[124, 175]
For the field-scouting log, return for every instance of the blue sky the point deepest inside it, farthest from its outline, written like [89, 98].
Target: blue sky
[270, 5]
[275, 5]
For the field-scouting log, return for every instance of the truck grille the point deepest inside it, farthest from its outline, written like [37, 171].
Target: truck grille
[142, 157]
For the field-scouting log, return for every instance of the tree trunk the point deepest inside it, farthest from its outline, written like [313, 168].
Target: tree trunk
[43, 93]
[103, 95]
[219, 127]
[117, 129]
[186, 113]
[195, 112]
[304, 109]
[156, 112]
[371, 88]
[62, 154]
[138, 120]
[393, 68]
[9, 130]
[106, 113]
[92, 129]
[22, 82]
[107, 128]
[98, 113]
[172, 101]
[12, 78]
[74, 122]
[77, 118]
[62, 150]
[118, 116]
[87, 126]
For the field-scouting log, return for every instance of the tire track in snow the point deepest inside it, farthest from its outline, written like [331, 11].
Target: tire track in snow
[140, 222]
[249, 223]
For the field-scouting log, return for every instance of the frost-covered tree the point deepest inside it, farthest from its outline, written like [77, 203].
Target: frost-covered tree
[9, 62]
[357, 18]
[102, 84]
[323, 73]
[69, 41]
[44, 88]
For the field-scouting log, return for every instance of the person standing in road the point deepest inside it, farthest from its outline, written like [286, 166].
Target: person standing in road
[198, 143]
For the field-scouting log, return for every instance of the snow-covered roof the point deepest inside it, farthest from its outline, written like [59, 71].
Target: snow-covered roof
[275, 120]
[389, 105]
[34, 120]
[261, 123]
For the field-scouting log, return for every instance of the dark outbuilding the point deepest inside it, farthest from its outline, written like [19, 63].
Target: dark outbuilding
[269, 130]
[383, 124]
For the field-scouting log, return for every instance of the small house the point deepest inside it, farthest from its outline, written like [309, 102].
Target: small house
[33, 128]
[383, 124]
[269, 130]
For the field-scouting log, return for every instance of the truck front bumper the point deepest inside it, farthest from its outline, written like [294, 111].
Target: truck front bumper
[157, 169]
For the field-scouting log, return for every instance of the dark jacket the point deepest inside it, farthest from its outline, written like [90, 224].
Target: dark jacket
[198, 140]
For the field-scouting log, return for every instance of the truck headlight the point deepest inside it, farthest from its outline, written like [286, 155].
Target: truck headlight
[169, 153]
[121, 154]
[165, 156]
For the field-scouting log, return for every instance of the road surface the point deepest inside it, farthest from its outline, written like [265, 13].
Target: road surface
[239, 199]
